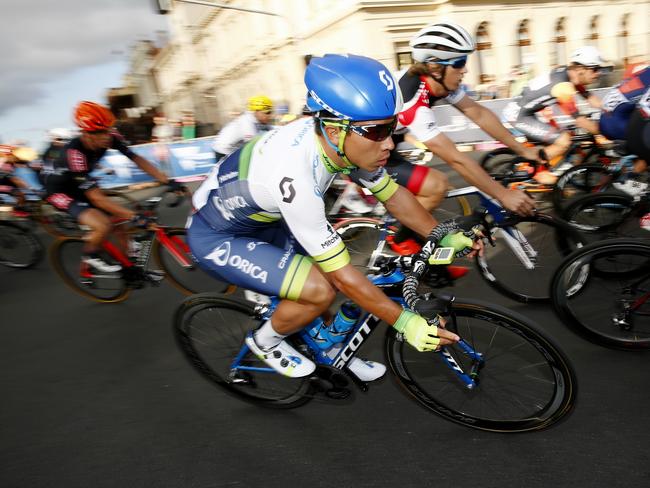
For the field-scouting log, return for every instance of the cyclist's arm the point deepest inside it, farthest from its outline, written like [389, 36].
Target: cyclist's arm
[149, 168]
[513, 200]
[142, 163]
[594, 101]
[99, 199]
[490, 123]
[404, 207]
[19, 182]
[229, 137]
[360, 290]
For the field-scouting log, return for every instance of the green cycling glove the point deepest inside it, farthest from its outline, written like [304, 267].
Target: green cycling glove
[459, 241]
[419, 333]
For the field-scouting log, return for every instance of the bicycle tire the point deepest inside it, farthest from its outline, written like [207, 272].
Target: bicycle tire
[503, 269]
[188, 280]
[598, 286]
[494, 159]
[65, 257]
[603, 215]
[210, 331]
[515, 352]
[19, 247]
[577, 181]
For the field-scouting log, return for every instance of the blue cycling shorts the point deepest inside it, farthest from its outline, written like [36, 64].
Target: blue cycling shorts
[268, 261]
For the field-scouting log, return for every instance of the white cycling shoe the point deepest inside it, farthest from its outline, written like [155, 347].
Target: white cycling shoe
[100, 265]
[366, 370]
[283, 358]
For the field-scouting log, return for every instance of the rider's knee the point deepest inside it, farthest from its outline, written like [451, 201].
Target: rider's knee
[318, 292]
[564, 141]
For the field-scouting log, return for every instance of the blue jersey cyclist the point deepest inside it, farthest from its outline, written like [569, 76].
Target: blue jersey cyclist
[260, 218]
[625, 117]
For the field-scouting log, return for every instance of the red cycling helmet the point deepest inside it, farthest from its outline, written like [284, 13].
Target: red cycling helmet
[91, 116]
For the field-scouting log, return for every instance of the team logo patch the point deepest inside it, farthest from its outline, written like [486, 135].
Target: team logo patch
[287, 189]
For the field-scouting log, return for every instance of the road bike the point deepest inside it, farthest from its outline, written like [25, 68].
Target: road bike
[602, 292]
[520, 265]
[173, 262]
[515, 172]
[505, 375]
[19, 246]
[610, 214]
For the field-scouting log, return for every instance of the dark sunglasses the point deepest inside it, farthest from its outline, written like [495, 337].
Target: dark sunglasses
[375, 132]
[267, 112]
[98, 132]
[456, 63]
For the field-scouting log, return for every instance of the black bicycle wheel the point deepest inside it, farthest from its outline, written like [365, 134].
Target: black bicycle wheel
[526, 254]
[605, 215]
[602, 292]
[210, 330]
[188, 279]
[498, 162]
[577, 181]
[526, 383]
[19, 248]
[65, 256]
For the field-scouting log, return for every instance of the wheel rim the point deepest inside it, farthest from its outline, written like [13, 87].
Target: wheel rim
[523, 385]
[605, 294]
[211, 335]
[66, 260]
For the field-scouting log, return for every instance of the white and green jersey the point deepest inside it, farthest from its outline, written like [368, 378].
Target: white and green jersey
[282, 175]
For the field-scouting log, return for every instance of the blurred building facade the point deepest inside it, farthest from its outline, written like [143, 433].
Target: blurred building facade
[216, 58]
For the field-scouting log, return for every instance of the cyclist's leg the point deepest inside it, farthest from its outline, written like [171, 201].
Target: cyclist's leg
[556, 142]
[98, 222]
[256, 263]
[427, 184]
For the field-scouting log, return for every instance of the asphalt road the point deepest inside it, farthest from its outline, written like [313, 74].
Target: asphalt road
[99, 396]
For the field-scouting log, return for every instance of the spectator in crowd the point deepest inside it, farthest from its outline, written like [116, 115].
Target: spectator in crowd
[189, 125]
[162, 134]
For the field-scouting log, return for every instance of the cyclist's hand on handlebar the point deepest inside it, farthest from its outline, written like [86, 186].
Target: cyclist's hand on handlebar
[422, 335]
[518, 202]
[465, 244]
[532, 154]
[177, 187]
[141, 220]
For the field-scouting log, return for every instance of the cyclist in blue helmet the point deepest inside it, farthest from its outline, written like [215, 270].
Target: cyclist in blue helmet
[260, 220]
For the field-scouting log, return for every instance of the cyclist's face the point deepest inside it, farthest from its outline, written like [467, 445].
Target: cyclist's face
[454, 77]
[99, 139]
[591, 75]
[363, 151]
[264, 116]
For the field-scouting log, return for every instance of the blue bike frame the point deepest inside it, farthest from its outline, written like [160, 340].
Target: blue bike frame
[366, 324]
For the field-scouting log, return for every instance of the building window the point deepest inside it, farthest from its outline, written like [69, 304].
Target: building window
[403, 57]
[525, 53]
[592, 40]
[622, 39]
[558, 53]
[485, 53]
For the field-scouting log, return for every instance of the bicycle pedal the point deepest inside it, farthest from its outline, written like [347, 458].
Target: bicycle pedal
[331, 382]
[155, 277]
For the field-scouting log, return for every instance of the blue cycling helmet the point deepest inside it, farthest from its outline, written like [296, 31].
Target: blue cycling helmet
[352, 87]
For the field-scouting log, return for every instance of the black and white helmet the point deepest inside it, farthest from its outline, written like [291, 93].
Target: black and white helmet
[443, 41]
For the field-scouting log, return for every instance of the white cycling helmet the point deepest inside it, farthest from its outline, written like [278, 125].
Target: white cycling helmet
[59, 134]
[443, 41]
[587, 56]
